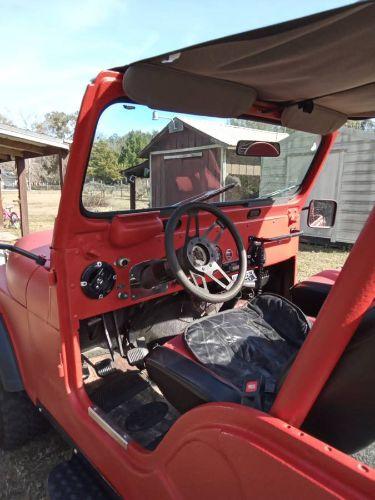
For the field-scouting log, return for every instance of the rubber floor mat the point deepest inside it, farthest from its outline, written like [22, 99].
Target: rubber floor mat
[116, 389]
[146, 417]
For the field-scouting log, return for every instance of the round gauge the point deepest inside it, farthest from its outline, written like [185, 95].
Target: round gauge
[98, 279]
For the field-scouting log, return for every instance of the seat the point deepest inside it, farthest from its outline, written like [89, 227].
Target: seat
[309, 295]
[243, 355]
[219, 356]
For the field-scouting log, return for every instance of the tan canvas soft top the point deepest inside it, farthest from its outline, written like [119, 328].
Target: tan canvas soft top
[327, 58]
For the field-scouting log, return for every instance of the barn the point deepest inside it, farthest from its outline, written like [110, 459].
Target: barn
[189, 154]
[349, 179]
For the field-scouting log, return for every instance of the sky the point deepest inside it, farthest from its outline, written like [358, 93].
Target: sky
[50, 49]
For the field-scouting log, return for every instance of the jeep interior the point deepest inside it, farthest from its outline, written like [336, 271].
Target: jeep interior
[173, 339]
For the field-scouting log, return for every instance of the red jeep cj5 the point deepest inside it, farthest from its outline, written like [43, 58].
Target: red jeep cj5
[165, 334]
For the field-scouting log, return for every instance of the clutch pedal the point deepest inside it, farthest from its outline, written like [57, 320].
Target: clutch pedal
[104, 367]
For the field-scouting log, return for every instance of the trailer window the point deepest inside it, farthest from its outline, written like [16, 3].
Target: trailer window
[143, 159]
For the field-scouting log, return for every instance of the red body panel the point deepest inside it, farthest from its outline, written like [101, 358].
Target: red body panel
[215, 451]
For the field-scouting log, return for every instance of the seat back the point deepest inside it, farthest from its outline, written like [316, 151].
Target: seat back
[344, 413]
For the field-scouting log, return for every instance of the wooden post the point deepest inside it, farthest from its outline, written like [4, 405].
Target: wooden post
[62, 159]
[132, 194]
[1, 206]
[22, 195]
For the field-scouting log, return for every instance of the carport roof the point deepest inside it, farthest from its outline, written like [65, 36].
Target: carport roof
[19, 143]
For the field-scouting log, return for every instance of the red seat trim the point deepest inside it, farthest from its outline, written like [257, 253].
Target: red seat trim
[177, 344]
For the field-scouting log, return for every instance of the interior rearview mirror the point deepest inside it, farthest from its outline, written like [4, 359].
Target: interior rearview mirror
[321, 214]
[258, 148]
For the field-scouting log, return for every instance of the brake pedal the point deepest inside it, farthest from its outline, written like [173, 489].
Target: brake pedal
[136, 355]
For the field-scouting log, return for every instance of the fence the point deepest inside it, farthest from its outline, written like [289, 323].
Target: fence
[99, 196]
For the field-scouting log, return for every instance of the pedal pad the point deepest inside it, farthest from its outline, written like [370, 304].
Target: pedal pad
[104, 367]
[85, 371]
[136, 355]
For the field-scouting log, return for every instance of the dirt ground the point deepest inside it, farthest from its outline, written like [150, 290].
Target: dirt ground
[24, 472]
[43, 205]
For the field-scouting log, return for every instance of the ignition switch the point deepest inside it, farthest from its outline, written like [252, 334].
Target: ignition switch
[122, 262]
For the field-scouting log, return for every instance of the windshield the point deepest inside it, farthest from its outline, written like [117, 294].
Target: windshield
[143, 159]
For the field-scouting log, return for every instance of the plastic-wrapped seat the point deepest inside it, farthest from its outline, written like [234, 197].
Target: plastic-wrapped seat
[243, 356]
[237, 355]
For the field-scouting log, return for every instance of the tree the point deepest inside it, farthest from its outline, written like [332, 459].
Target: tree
[58, 124]
[361, 124]
[255, 125]
[135, 141]
[103, 164]
[5, 121]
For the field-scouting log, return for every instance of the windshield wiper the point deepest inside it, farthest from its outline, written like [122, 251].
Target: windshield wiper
[275, 193]
[206, 195]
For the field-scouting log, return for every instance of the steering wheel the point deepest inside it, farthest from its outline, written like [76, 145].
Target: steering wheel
[198, 258]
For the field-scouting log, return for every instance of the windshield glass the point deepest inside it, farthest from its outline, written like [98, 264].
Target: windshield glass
[143, 159]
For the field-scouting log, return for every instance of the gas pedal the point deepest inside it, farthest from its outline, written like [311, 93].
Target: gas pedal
[136, 355]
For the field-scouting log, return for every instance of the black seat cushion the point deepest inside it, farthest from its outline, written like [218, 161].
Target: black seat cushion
[253, 343]
[185, 383]
[310, 295]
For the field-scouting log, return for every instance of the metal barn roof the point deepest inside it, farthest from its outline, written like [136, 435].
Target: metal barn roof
[229, 135]
[221, 133]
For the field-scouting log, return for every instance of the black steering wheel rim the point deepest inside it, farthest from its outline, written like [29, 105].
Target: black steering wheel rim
[175, 265]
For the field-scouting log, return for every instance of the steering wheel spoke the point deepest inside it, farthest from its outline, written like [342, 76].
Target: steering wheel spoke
[192, 215]
[196, 220]
[223, 280]
[216, 224]
[195, 278]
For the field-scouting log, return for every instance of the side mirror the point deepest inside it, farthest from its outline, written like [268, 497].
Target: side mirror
[258, 148]
[321, 214]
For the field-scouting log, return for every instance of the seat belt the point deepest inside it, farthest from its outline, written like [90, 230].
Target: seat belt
[258, 393]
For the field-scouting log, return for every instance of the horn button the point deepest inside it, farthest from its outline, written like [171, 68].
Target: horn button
[200, 253]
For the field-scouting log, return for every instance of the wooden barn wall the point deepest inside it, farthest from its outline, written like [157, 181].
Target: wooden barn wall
[168, 175]
[349, 178]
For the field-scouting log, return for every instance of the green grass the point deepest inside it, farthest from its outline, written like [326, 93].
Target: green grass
[313, 258]
[24, 472]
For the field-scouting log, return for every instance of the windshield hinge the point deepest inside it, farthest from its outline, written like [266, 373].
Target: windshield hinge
[293, 218]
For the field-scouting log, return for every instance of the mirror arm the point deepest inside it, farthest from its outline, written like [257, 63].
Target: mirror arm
[12, 248]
